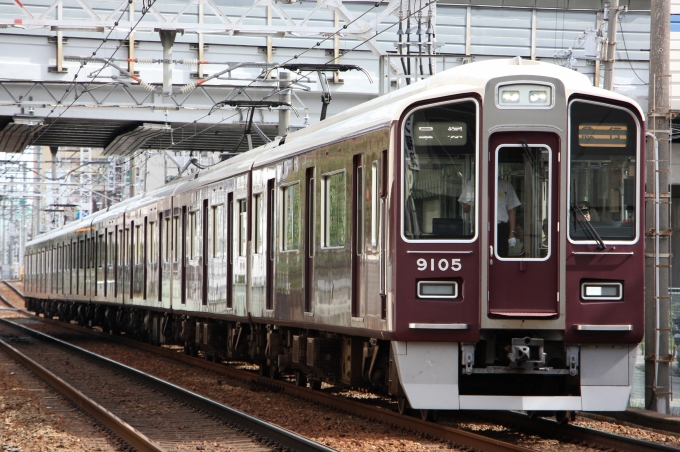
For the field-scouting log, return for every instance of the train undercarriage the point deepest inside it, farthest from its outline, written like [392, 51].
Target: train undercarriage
[504, 370]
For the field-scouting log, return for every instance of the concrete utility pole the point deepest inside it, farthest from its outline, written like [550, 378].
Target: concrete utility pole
[610, 46]
[284, 96]
[658, 356]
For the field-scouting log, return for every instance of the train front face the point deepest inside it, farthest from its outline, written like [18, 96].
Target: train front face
[520, 254]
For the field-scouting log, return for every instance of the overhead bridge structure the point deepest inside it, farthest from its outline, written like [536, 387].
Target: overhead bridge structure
[127, 75]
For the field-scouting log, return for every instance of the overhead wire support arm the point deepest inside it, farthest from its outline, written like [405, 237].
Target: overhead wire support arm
[320, 69]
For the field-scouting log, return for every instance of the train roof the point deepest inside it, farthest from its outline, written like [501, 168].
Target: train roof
[468, 78]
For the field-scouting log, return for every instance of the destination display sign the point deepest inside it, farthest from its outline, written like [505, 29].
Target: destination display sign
[452, 133]
[602, 135]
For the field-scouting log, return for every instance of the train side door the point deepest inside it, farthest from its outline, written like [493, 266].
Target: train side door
[523, 215]
[357, 234]
[309, 240]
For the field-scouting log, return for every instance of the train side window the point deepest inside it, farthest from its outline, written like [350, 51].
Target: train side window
[82, 254]
[439, 178]
[603, 167]
[334, 210]
[290, 205]
[218, 231]
[258, 225]
[242, 226]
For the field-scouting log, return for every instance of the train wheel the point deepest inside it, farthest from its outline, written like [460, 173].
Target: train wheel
[300, 378]
[263, 371]
[428, 415]
[274, 373]
[564, 417]
[315, 384]
[403, 405]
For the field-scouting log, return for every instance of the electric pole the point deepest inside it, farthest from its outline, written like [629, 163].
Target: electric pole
[658, 356]
[611, 15]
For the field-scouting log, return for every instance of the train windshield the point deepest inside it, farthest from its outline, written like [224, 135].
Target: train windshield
[603, 165]
[440, 148]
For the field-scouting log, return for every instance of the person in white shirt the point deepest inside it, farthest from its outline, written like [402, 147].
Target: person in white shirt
[505, 212]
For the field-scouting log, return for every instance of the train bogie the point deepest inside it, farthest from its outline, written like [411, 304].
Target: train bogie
[470, 242]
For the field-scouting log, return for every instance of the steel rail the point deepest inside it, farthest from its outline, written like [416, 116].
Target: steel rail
[281, 436]
[577, 433]
[455, 436]
[121, 428]
[445, 433]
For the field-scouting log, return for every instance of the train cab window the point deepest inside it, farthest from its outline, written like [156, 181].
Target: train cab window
[290, 206]
[523, 191]
[440, 188]
[603, 169]
[218, 231]
[242, 227]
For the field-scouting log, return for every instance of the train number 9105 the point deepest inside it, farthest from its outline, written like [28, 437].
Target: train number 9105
[442, 264]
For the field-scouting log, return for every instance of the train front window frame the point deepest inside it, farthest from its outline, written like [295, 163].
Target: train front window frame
[424, 166]
[528, 169]
[603, 174]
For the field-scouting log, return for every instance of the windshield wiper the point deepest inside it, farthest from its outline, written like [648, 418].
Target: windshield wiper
[590, 230]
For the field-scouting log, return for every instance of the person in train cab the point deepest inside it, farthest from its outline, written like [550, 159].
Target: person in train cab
[588, 213]
[505, 213]
[517, 250]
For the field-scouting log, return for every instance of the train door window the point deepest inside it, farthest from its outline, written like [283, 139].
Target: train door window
[439, 178]
[334, 214]
[152, 242]
[193, 237]
[218, 231]
[137, 244]
[164, 237]
[177, 243]
[242, 227]
[100, 251]
[290, 206]
[522, 200]
[603, 168]
[258, 225]
[82, 255]
[375, 175]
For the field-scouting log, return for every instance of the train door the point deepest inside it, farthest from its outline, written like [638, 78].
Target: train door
[357, 234]
[229, 241]
[309, 240]
[523, 215]
[204, 255]
[271, 245]
[184, 258]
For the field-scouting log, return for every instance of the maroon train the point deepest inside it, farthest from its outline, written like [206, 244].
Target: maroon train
[471, 241]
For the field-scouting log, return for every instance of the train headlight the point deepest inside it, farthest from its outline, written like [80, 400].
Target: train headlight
[538, 97]
[599, 291]
[509, 97]
[437, 289]
[525, 95]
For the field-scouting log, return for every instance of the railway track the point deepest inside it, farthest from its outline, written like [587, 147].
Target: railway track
[147, 413]
[456, 437]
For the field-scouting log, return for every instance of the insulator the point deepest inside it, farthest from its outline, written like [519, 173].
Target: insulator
[186, 88]
[146, 86]
[145, 61]
[188, 61]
